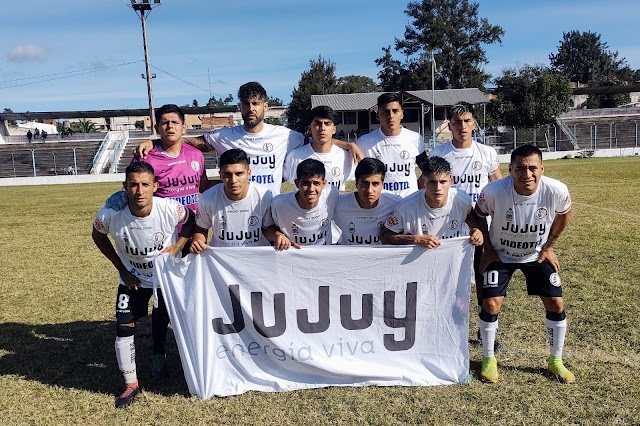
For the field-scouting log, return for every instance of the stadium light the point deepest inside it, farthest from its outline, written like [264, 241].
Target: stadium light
[142, 9]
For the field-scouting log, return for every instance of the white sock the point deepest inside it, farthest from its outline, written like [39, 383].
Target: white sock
[488, 333]
[126, 356]
[556, 330]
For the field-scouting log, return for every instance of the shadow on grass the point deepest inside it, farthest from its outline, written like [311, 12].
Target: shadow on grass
[81, 355]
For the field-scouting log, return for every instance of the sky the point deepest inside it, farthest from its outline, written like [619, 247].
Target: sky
[88, 55]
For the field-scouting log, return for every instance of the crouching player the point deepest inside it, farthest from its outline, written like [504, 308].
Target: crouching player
[145, 228]
[433, 213]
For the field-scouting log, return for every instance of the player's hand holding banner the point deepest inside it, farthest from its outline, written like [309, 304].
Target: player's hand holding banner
[256, 319]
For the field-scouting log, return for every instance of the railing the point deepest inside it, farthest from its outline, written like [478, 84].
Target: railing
[601, 112]
[119, 145]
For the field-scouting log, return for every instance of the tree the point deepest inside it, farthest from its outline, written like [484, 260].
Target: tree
[194, 103]
[83, 126]
[454, 32]
[356, 84]
[213, 102]
[610, 100]
[10, 111]
[583, 57]
[320, 79]
[531, 95]
[273, 120]
[139, 124]
[274, 101]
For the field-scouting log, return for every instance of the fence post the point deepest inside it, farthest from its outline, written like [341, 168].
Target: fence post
[595, 136]
[13, 160]
[555, 138]
[55, 166]
[636, 132]
[33, 161]
[611, 135]
[75, 161]
[514, 137]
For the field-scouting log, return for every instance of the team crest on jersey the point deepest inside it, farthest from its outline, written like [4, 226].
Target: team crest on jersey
[509, 215]
[380, 225]
[454, 224]
[404, 155]
[180, 210]
[476, 165]
[253, 220]
[223, 222]
[425, 230]
[352, 227]
[392, 221]
[98, 225]
[554, 279]
[158, 237]
[195, 166]
[294, 229]
[267, 147]
[541, 213]
[324, 222]
[336, 171]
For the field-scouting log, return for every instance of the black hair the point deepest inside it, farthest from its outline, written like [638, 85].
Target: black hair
[459, 109]
[309, 168]
[166, 109]
[233, 156]
[139, 167]
[436, 165]
[323, 111]
[386, 98]
[525, 151]
[251, 90]
[370, 166]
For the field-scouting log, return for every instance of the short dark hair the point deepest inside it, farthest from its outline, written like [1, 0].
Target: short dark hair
[386, 98]
[459, 109]
[525, 151]
[436, 165]
[309, 168]
[166, 109]
[323, 111]
[370, 166]
[233, 156]
[251, 90]
[139, 167]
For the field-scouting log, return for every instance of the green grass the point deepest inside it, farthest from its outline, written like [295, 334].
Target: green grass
[57, 363]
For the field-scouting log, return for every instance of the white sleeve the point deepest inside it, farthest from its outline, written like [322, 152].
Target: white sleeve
[203, 215]
[103, 220]
[289, 171]
[394, 221]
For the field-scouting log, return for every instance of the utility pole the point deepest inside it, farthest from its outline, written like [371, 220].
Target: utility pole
[143, 9]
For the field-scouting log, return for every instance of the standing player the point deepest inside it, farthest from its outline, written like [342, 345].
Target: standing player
[303, 217]
[181, 176]
[266, 145]
[433, 213]
[236, 209]
[141, 231]
[529, 211]
[337, 162]
[360, 215]
[395, 145]
[473, 165]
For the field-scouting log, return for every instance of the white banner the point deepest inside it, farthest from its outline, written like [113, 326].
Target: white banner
[256, 319]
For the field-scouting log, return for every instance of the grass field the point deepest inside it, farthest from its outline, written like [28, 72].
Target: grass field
[57, 363]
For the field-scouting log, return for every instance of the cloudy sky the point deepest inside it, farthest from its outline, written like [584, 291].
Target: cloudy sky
[84, 55]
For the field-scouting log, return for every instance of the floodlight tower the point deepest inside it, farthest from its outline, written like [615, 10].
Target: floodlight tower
[142, 9]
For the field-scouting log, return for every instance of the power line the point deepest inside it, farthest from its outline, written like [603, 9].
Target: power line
[61, 75]
[180, 79]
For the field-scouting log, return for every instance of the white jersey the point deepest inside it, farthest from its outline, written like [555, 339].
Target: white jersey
[398, 153]
[139, 240]
[470, 167]
[413, 216]
[305, 227]
[362, 226]
[338, 164]
[266, 150]
[521, 223]
[235, 223]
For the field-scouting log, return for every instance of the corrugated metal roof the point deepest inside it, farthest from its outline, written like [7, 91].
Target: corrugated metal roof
[367, 101]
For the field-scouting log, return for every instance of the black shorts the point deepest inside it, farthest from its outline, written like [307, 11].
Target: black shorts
[542, 280]
[131, 305]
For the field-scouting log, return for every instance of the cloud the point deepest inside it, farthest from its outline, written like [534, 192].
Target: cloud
[27, 52]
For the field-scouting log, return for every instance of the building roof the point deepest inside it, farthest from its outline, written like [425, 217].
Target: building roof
[368, 101]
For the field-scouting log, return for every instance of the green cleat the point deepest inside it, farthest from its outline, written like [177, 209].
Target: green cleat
[557, 368]
[489, 372]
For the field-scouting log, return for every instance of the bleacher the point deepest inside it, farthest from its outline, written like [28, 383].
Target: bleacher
[17, 160]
